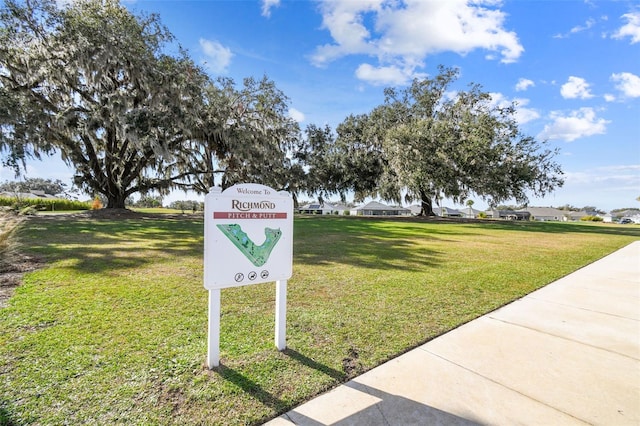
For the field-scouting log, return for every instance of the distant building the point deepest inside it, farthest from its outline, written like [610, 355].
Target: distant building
[375, 208]
[508, 214]
[323, 208]
[446, 212]
[469, 213]
[29, 195]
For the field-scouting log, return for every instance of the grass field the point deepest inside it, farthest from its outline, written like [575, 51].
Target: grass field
[112, 330]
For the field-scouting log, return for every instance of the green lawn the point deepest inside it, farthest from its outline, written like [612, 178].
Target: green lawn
[113, 329]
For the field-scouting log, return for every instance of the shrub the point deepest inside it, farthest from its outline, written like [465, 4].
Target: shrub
[482, 215]
[43, 204]
[96, 204]
[591, 219]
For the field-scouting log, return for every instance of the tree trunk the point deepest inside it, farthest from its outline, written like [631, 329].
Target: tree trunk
[427, 205]
[116, 201]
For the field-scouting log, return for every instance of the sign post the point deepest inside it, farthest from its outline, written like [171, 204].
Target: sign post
[248, 239]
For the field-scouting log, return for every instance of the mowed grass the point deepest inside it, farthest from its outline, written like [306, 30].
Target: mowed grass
[113, 329]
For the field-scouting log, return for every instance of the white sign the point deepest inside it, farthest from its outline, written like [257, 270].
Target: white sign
[248, 236]
[248, 239]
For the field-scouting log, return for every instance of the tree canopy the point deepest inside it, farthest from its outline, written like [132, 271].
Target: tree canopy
[91, 82]
[48, 186]
[426, 142]
[94, 83]
[248, 136]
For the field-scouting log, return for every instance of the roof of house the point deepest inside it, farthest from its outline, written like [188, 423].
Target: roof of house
[469, 210]
[446, 210]
[323, 206]
[32, 194]
[374, 205]
[544, 212]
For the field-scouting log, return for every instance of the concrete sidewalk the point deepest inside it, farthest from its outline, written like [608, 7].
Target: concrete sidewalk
[566, 354]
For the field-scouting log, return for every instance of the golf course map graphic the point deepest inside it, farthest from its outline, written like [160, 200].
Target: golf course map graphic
[258, 255]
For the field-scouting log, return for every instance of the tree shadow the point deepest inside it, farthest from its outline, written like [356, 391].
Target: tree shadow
[565, 228]
[373, 244]
[99, 245]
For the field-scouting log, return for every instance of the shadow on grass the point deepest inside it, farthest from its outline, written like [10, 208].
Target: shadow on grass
[374, 244]
[103, 245]
[306, 361]
[251, 388]
[566, 228]
[5, 418]
[99, 245]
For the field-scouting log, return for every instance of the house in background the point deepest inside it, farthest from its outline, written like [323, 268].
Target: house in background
[508, 214]
[415, 209]
[29, 195]
[323, 208]
[469, 213]
[375, 208]
[446, 212]
[571, 216]
[546, 213]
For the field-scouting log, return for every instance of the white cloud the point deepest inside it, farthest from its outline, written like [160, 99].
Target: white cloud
[379, 76]
[588, 24]
[576, 87]
[267, 5]
[627, 176]
[402, 34]
[296, 115]
[609, 97]
[524, 84]
[217, 56]
[627, 83]
[522, 113]
[577, 124]
[631, 28]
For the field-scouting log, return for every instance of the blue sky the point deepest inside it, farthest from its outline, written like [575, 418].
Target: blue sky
[573, 66]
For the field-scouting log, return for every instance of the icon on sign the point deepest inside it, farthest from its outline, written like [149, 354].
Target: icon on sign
[264, 274]
[252, 275]
[239, 277]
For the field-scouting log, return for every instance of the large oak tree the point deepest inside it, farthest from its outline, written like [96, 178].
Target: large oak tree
[426, 142]
[91, 81]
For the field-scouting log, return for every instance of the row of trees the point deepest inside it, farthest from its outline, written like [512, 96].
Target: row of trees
[95, 84]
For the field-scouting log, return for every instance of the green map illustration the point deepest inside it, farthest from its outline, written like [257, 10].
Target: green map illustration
[258, 255]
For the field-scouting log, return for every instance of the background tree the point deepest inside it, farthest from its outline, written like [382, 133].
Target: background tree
[187, 205]
[149, 201]
[432, 144]
[90, 82]
[48, 186]
[249, 137]
[341, 163]
[316, 152]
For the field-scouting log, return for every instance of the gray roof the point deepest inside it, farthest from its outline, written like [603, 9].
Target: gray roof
[28, 195]
[374, 205]
[440, 211]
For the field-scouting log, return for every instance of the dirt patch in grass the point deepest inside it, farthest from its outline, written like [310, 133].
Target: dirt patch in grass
[11, 277]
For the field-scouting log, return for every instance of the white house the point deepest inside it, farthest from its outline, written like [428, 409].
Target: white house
[323, 208]
[375, 208]
[446, 212]
[469, 212]
[546, 213]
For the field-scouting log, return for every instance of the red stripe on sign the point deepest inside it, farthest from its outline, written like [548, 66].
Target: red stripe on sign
[249, 215]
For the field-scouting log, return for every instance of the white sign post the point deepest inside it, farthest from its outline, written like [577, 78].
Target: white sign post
[248, 239]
